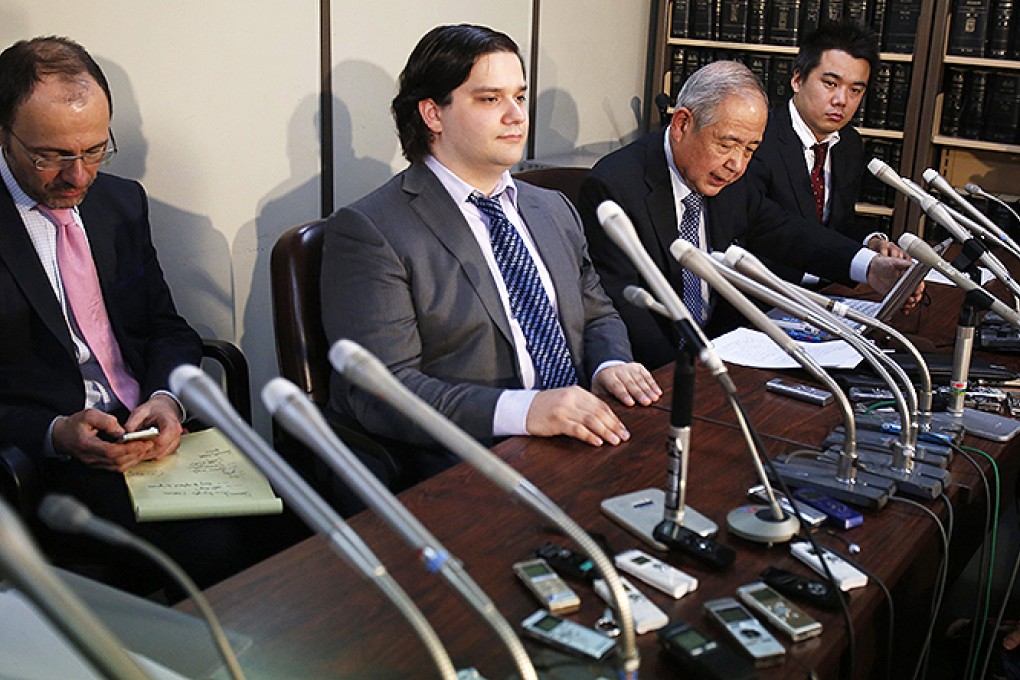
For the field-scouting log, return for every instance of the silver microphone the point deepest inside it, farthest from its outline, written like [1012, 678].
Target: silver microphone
[298, 415]
[920, 250]
[205, 398]
[24, 566]
[362, 368]
[68, 514]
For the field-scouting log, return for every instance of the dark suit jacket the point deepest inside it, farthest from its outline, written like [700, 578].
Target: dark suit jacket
[778, 169]
[39, 376]
[637, 178]
[403, 276]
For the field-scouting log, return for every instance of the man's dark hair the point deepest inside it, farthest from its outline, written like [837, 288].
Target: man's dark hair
[440, 62]
[847, 36]
[27, 62]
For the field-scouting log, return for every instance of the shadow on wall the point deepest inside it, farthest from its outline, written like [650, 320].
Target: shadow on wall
[194, 256]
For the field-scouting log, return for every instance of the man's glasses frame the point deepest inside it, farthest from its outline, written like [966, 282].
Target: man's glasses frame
[44, 163]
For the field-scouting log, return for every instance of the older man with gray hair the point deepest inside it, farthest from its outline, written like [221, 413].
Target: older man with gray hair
[685, 182]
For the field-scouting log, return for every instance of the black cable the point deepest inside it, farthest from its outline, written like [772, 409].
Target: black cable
[1005, 598]
[892, 612]
[851, 637]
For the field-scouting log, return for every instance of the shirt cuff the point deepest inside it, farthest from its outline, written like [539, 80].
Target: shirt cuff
[181, 411]
[48, 450]
[875, 234]
[511, 416]
[603, 365]
[859, 265]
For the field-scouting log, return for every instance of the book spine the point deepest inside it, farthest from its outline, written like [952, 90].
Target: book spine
[832, 11]
[810, 15]
[1000, 28]
[702, 24]
[894, 160]
[968, 28]
[901, 25]
[677, 73]
[779, 81]
[733, 20]
[899, 89]
[952, 101]
[1002, 117]
[757, 21]
[974, 104]
[877, 112]
[876, 18]
[761, 66]
[679, 24]
[857, 10]
[784, 22]
[872, 189]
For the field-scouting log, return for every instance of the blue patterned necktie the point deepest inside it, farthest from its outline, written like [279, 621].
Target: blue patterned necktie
[690, 230]
[529, 302]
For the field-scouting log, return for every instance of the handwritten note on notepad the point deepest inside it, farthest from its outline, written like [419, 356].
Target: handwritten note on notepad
[207, 477]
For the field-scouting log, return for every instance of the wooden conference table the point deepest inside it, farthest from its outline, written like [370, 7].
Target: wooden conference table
[312, 616]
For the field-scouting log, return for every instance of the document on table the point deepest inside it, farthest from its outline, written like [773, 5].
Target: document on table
[746, 347]
[207, 477]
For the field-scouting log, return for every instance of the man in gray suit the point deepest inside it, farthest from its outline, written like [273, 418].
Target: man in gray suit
[476, 292]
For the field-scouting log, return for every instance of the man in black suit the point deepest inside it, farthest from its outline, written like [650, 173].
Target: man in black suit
[717, 124]
[75, 377]
[811, 160]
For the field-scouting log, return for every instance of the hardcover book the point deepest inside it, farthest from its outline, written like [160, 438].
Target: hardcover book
[733, 20]
[968, 28]
[680, 19]
[901, 18]
[784, 22]
[952, 101]
[1000, 28]
[1002, 111]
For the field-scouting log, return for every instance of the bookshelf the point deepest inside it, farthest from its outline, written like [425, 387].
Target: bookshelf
[913, 140]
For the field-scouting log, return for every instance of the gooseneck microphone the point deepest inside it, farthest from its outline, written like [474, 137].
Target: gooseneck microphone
[975, 190]
[299, 416]
[365, 371]
[204, 397]
[934, 179]
[24, 566]
[68, 514]
[980, 297]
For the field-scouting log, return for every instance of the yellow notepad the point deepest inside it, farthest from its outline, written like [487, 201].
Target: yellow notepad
[207, 477]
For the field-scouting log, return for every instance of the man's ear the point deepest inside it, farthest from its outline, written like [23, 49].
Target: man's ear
[431, 114]
[795, 81]
[682, 121]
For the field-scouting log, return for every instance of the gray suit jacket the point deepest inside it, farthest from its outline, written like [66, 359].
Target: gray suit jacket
[403, 276]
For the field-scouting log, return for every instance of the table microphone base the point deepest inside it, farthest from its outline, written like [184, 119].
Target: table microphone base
[641, 511]
[924, 481]
[759, 524]
[979, 423]
[867, 491]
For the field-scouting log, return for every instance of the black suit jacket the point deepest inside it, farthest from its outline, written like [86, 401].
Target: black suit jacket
[39, 376]
[637, 177]
[778, 169]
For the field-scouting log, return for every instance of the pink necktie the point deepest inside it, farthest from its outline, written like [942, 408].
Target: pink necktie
[81, 286]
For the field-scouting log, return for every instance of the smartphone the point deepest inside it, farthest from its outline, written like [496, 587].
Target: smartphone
[140, 435]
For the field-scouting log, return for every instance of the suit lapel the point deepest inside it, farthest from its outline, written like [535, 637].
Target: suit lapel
[660, 201]
[433, 205]
[19, 255]
[796, 168]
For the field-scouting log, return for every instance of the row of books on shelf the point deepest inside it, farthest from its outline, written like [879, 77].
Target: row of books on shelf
[884, 106]
[984, 28]
[981, 104]
[782, 22]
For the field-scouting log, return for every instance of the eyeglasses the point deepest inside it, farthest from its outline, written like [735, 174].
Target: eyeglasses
[43, 163]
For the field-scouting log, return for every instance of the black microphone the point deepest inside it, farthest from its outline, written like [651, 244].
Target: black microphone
[205, 398]
[25, 567]
[68, 514]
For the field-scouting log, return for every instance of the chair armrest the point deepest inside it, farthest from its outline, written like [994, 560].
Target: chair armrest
[235, 370]
[20, 480]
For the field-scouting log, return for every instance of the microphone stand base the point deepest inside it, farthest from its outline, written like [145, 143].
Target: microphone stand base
[867, 491]
[979, 423]
[639, 512]
[874, 442]
[924, 481]
[759, 524]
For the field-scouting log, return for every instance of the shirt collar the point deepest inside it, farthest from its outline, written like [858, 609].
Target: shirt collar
[807, 138]
[21, 200]
[679, 186]
[460, 190]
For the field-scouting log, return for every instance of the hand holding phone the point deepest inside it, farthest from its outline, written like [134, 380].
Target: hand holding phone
[139, 435]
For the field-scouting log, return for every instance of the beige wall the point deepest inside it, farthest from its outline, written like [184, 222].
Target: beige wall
[216, 112]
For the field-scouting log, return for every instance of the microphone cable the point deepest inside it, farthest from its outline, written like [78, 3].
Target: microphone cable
[66, 513]
[1005, 600]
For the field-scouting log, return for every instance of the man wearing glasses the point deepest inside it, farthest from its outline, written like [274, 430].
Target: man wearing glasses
[88, 329]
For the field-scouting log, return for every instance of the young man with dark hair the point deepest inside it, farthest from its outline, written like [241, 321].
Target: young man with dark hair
[477, 292]
[811, 160]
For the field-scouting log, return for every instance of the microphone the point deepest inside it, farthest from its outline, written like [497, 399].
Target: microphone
[68, 514]
[25, 567]
[204, 397]
[621, 231]
[899, 464]
[937, 181]
[299, 416]
[639, 297]
[364, 370]
[975, 190]
[980, 297]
